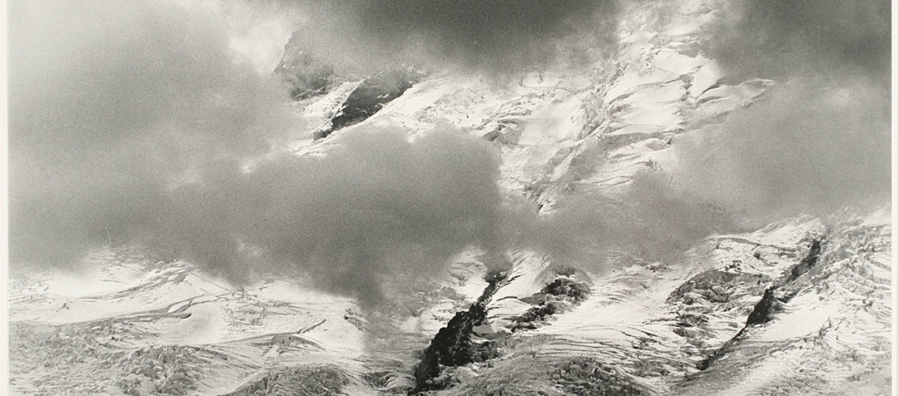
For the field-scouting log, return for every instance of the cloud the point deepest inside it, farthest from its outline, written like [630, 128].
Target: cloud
[112, 103]
[487, 35]
[820, 141]
[377, 209]
[790, 38]
[811, 149]
[650, 222]
[141, 119]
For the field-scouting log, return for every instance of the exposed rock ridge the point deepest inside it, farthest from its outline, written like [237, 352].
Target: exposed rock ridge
[296, 381]
[371, 96]
[763, 310]
[553, 298]
[304, 75]
[453, 344]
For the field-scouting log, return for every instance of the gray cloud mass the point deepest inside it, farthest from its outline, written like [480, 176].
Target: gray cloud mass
[820, 139]
[138, 118]
[135, 118]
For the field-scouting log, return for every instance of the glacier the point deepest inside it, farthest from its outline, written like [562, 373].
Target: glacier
[800, 305]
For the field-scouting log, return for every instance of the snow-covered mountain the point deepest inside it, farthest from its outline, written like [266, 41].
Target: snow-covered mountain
[802, 305]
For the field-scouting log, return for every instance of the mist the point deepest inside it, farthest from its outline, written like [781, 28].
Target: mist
[490, 36]
[377, 209]
[152, 122]
[786, 39]
[111, 104]
[805, 149]
[143, 122]
[649, 222]
[815, 143]
[819, 140]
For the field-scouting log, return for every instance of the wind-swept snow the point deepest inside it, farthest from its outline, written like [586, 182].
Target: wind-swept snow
[123, 324]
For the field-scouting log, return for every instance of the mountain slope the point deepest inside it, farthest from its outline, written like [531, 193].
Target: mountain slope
[697, 321]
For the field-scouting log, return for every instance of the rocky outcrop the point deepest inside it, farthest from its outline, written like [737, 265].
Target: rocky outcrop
[588, 376]
[458, 343]
[807, 263]
[304, 75]
[553, 298]
[454, 345]
[568, 289]
[713, 286]
[763, 309]
[370, 96]
[296, 381]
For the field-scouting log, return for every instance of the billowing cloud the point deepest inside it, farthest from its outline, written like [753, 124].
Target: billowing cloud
[820, 140]
[112, 102]
[487, 35]
[790, 38]
[141, 120]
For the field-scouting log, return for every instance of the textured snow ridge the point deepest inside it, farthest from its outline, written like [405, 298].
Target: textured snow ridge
[125, 325]
[136, 327]
[643, 329]
[649, 329]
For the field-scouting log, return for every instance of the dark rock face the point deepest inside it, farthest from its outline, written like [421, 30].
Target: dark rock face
[760, 314]
[567, 288]
[370, 96]
[453, 344]
[530, 319]
[705, 284]
[297, 381]
[762, 311]
[588, 376]
[304, 75]
[808, 262]
[553, 298]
